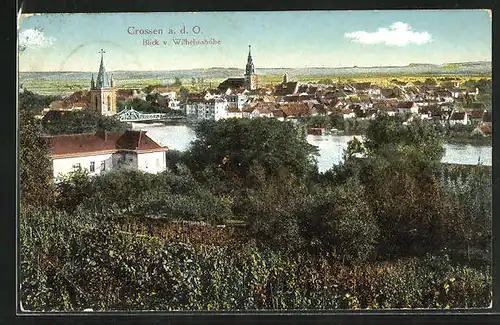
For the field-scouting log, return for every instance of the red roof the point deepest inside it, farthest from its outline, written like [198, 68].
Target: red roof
[296, 109]
[238, 91]
[405, 104]
[88, 143]
[278, 113]
[232, 109]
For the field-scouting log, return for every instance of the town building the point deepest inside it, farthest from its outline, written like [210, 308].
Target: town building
[103, 92]
[206, 109]
[459, 118]
[234, 112]
[167, 97]
[104, 151]
[407, 108]
[238, 97]
[249, 81]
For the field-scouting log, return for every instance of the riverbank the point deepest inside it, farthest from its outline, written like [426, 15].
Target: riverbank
[331, 147]
[471, 140]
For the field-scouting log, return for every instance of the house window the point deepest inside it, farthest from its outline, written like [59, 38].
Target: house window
[103, 165]
[158, 162]
[92, 166]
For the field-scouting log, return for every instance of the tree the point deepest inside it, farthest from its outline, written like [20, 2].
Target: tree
[120, 187]
[73, 188]
[177, 82]
[35, 103]
[339, 223]
[148, 89]
[408, 206]
[75, 122]
[35, 167]
[354, 148]
[484, 85]
[418, 139]
[468, 201]
[234, 145]
[183, 93]
[399, 176]
[271, 210]
[153, 98]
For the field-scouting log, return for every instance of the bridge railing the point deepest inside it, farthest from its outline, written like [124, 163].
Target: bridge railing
[132, 115]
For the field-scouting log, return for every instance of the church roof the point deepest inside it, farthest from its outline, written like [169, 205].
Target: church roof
[233, 83]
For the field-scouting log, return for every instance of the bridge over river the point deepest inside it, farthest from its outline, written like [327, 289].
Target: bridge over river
[131, 115]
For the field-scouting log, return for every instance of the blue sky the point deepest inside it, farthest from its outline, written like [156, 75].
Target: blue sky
[71, 42]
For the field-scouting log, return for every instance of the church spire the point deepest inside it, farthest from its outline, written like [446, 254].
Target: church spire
[250, 69]
[102, 76]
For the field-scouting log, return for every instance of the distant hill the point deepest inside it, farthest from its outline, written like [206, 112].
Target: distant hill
[462, 68]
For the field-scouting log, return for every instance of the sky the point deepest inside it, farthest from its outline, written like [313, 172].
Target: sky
[293, 39]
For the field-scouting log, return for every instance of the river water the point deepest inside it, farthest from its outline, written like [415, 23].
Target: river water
[330, 147]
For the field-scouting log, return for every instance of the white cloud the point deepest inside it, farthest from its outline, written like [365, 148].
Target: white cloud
[398, 34]
[34, 38]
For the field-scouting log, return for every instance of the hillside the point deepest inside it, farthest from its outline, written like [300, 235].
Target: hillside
[464, 68]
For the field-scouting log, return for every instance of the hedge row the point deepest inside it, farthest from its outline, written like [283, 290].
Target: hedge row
[74, 263]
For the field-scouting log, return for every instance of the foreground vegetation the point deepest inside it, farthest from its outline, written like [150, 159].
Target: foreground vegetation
[75, 262]
[393, 229]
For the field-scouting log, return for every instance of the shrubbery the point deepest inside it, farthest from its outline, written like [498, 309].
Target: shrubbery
[73, 262]
[310, 240]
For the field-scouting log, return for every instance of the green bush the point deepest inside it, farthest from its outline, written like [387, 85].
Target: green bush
[339, 223]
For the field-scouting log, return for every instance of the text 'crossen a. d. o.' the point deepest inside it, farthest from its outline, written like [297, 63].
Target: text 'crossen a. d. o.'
[153, 36]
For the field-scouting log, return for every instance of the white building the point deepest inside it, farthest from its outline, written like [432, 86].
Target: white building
[407, 108]
[104, 151]
[174, 104]
[459, 118]
[207, 109]
[234, 112]
[238, 98]
[169, 96]
[165, 92]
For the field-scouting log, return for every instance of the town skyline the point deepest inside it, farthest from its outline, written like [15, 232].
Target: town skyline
[280, 40]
